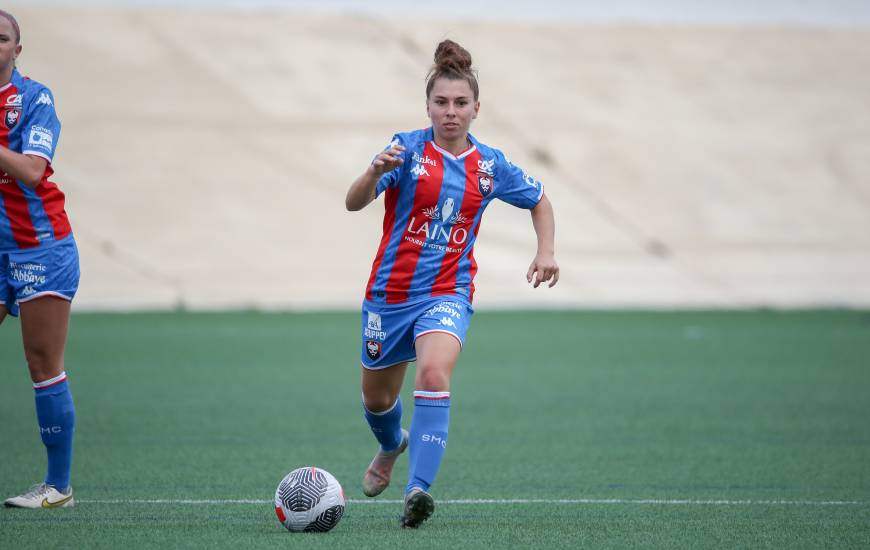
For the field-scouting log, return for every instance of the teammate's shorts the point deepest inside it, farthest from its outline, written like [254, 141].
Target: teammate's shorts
[29, 274]
[390, 330]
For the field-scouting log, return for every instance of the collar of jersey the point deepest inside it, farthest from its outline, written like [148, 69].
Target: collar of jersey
[450, 155]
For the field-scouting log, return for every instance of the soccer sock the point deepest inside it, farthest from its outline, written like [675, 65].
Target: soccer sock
[386, 425]
[57, 418]
[428, 437]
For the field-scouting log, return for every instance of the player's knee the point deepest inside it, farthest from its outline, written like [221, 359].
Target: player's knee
[378, 402]
[41, 361]
[433, 378]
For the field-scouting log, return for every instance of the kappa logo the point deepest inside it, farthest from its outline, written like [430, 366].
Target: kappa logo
[419, 170]
[15, 100]
[448, 322]
[44, 99]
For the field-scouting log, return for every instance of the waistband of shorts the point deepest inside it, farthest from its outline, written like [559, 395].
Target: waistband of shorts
[42, 246]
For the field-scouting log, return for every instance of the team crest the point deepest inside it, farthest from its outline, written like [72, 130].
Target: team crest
[12, 117]
[484, 184]
[373, 349]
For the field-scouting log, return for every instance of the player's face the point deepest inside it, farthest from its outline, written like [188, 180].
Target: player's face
[451, 107]
[9, 50]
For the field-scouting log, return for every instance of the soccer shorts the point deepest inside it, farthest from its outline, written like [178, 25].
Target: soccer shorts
[390, 330]
[29, 274]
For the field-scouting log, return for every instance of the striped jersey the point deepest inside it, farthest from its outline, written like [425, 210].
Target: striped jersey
[433, 207]
[29, 218]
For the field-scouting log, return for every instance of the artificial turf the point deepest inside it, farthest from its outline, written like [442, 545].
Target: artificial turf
[654, 429]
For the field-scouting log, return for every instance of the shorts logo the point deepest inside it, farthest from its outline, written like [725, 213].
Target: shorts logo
[373, 328]
[448, 322]
[484, 184]
[374, 322]
[12, 116]
[373, 349]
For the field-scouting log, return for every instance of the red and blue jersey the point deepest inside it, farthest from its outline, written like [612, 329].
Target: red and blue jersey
[434, 204]
[30, 218]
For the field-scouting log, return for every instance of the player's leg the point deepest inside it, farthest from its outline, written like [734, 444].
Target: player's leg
[44, 327]
[383, 412]
[437, 353]
[387, 347]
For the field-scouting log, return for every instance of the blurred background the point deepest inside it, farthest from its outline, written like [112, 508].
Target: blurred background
[711, 154]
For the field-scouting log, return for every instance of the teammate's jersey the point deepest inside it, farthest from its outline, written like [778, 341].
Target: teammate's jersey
[29, 218]
[434, 203]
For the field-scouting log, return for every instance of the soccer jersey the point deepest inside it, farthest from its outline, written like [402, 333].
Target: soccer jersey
[434, 204]
[29, 218]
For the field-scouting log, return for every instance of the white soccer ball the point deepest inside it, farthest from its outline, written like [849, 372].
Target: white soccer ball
[309, 499]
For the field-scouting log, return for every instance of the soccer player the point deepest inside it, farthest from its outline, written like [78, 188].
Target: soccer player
[417, 306]
[39, 264]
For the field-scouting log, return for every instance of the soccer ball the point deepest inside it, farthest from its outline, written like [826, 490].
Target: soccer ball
[309, 499]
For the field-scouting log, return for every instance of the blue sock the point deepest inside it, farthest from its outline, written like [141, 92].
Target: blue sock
[57, 419]
[387, 425]
[428, 437]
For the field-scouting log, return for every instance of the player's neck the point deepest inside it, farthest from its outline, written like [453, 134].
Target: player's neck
[454, 147]
[6, 75]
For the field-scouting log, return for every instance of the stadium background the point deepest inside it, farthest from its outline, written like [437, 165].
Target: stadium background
[700, 159]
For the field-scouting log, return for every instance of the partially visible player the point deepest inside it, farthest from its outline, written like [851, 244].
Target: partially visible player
[39, 263]
[417, 307]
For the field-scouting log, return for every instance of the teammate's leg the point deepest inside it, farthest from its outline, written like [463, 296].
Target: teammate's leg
[437, 353]
[383, 412]
[44, 327]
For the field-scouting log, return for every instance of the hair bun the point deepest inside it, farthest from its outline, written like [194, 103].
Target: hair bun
[451, 56]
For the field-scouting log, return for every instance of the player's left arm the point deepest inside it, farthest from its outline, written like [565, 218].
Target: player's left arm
[26, 168]
[544, 267]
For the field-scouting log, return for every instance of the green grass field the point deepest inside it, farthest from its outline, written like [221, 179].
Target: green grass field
[581, 429]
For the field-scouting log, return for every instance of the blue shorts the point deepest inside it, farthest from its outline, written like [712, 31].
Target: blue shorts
[390, 330]
[29, 274]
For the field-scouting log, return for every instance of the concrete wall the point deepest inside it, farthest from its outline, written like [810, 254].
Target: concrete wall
[205, 155]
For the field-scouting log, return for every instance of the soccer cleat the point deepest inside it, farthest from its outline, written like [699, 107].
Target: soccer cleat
[42, 496]
[378, 475]
[419, 505]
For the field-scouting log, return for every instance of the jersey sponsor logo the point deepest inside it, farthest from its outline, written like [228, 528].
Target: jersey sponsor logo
[41, 137]
[44, 99]
[486, 166]
[424, 159]
[439, 230]
[484, 185]
[12, 117]
[419, 170]
[373, 349]
[15, 100]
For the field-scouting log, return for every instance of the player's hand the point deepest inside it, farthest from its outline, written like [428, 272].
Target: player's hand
[544, 268]
[388, 159]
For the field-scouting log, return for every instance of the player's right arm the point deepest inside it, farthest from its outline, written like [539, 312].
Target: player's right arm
[364, 188]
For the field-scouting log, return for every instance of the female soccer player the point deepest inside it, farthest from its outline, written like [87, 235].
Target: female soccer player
[39, 263]
[417, 306]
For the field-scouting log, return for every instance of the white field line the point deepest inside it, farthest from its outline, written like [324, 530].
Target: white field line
[663, 502]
